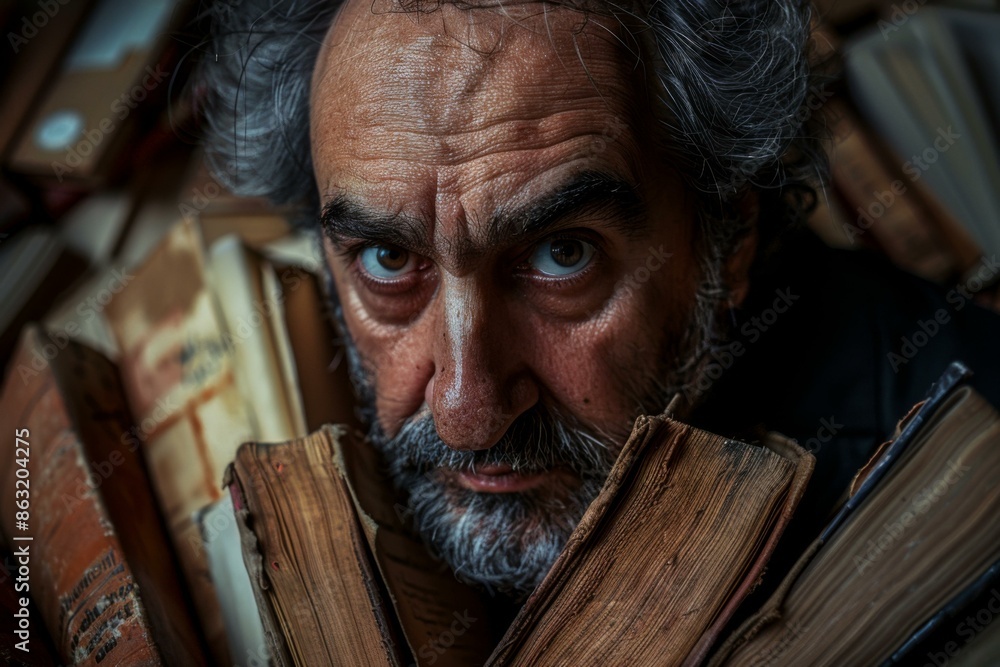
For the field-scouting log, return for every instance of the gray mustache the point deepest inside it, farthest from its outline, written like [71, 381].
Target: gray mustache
[538, 440]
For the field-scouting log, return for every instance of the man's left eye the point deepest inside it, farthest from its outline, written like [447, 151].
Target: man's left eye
[562, 257]
[387, 262]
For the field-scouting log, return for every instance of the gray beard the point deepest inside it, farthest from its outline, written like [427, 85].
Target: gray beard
[507, 542]
[503, 541]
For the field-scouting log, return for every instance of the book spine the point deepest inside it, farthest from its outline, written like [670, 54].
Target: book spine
[178, 370]
[74, 568]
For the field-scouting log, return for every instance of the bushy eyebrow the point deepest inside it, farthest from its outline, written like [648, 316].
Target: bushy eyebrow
[344, 218]
[591, 192]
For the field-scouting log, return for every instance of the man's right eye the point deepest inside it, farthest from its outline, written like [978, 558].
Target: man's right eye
[387, 262]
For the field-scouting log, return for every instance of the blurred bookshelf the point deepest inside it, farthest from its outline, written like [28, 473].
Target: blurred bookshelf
[910, 106]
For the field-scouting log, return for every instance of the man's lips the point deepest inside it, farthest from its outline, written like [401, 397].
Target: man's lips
[500, 478]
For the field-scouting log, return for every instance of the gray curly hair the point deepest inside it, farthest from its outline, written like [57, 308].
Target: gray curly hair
[733, 82]
[733, 79]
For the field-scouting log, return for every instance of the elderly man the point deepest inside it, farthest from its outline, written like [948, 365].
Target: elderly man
[542, 219]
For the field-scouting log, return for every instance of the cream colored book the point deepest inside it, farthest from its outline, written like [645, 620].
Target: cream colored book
[180, 379]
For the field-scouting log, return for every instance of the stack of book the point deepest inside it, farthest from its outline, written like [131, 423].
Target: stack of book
[157, 470]
[189, 486]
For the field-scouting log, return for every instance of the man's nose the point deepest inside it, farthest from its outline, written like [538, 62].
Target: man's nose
[480, 383]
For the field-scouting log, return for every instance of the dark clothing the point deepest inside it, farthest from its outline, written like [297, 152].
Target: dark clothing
[821, 372]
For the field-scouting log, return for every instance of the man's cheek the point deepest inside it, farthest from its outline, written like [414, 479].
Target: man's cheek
[400, 379]
[586, 369]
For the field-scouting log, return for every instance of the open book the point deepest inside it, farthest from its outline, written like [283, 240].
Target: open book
[657, 566]
[675, 540]
[918, 539]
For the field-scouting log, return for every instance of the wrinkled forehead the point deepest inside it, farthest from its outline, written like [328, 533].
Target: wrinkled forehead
[470, 56]
[454, 86]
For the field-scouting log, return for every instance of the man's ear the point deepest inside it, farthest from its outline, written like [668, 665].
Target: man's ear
[737, 269]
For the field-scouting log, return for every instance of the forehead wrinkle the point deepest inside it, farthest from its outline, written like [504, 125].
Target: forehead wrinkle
[436, 80]
[436, 72]
[588, 192]
[538, 90]
[346, 218]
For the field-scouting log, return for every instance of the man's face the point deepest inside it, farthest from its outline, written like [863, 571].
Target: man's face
[513, 263]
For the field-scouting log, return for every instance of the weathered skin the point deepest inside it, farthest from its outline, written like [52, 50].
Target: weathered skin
[411, 118]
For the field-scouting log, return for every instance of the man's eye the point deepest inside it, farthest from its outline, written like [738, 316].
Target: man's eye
[562, 257]
[387, 262]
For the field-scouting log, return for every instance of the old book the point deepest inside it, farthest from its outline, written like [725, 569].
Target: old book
[232, 348]
[35, 60]
[76, 504]
[319, 366]
[36, 268]
[910, 81]
[250, 296]
[980, 648]
[918, 533]
[254, 224]
[334, 583]
[221, 538]
[273, 314]
[180, 380]
[714, 509]
[116, 71]
[678, 536]
[975, 35]
[315, 580]
[881, 207]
